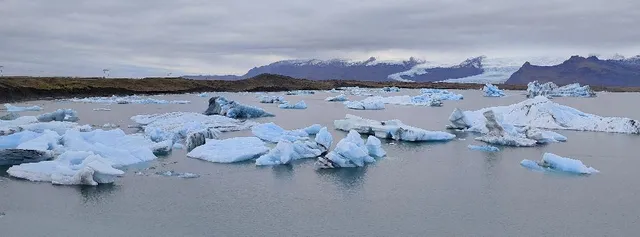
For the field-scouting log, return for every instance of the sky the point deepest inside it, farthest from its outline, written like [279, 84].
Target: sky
[136, 38]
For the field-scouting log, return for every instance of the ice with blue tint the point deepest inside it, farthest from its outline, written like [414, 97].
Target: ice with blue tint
[390, 129]
[299, 105]
[491, 90]
[13, 108]
[133, 99]
[390, 89]
[484, 148]
[555, 162]
[364, 105]
[338, 98]
[287, 151]
[204, 94]
[374, 146]
[230, 150]
[440, 94]
[273, 133]
[13, 140]
[300, 92]
[272, 99]
[350, 152]
[232, 109]
[60, 115]
[550, 89]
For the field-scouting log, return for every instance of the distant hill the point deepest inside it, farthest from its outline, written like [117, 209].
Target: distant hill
[368, 70]
[618, 72]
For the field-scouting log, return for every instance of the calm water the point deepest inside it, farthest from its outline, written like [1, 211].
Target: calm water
[427, 189]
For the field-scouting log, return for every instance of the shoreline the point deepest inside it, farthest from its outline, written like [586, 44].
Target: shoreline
[18, 89]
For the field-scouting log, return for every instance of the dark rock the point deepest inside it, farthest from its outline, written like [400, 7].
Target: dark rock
[20, 156]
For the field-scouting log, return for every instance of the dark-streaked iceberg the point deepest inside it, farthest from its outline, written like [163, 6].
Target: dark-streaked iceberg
[351, 151]
[550, 89]
[229, 108]
[390, 129]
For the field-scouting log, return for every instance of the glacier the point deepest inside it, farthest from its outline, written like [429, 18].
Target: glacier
[555, 162]
[230, 150]
[391, 129]
[273, 133]
[484, 148]
[299, 105]
[13, 108]
[287, 151]
[497, 70]
[364, 105]
[339, 98]
[229, 108]
[133, 99]
[491, 90]
[541, 112]
[272, 99]
[550, 89]
[351, 152]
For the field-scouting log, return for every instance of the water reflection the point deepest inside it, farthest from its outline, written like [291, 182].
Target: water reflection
[283, 171]
[96, 194]
[347, 179]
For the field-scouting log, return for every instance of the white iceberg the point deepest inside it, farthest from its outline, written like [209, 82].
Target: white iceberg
[374, 146]
[176, 126]
[364, 105]
[350, 152]
[272, 99]
[550, 89]
[440, 94]
[230, 150]
[491, 90]
[338, 98]
[232, 109]
[299, 105]
[13, 108]
[391, 129]
[419, 100]
[357, 91]
[554, 162]
[540, 112]
[287, 151]
[133, 99]
[484, 148]
[59, 115]
[273, 133]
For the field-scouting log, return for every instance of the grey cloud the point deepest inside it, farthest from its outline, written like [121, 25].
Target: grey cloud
[151, 38]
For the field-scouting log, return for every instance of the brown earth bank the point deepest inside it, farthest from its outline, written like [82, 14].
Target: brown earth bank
[13, 89]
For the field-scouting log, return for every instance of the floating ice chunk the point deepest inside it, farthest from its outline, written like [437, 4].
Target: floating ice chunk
[204, 94]
[349, 152]
[339, 98]
[440, 94]
[333, 90]
[13, 108]
[13, 140]
[484, 148]
[300, 92]
[390, 89]
[230, 150]
[550, 89]
[299, 105]
[199, 137]
[286, 151]
[101, 109]
[324, 138]
[272, 99]
[172, 173]
[232, 109]
[162, 148]
[10, 116]
[178, 125]
[113, 145]
[540, 112]
[46, 141]
[374, 146]
[542, 136]
[500, 134]
[60, 115]
[273, 133]
[109, 125]
[491, 90]
[71, 168]
[391, 129]
[364, 105]
[134, 99]
[555, 162]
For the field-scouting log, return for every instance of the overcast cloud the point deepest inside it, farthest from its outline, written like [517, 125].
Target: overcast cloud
[154, 38]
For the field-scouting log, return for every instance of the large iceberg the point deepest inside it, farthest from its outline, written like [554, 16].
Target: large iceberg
[299, 105]
[351, 152]
[177, 126]
[272, 99]
[229, 108]
[59, 115]
[133, 99]
[555, 162]
[13, 108]
[230, 150]
[491, 90]
[391, 129]
[364, 105]
[273, 133]
[338, 98]
[540, 112]
[550, 89]
[287, 151]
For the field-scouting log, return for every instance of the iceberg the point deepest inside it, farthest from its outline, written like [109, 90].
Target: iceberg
[10, 116]
[197, 138]
[440, 94]
[171, 173]
[299, 105]
[552, 161]
[133, 99]
[176, 126]
[230, 150]
[350, 152]
[102, 109]
[339, 98]
[391, 129]
[287, 151]
[357, 91]
[272, 99]
[273, 133]
[502, 134]
[390, 89]
[374, 146]
[550, 89]
[364, 105]
[232, 109]
[300, 92]
[541, 112]
[59, 115]
[491, 90]
[13, 108]
[484, 148]
[419, 100]
[204, 94]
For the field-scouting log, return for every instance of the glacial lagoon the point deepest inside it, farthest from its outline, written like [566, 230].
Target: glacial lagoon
[419, 189]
